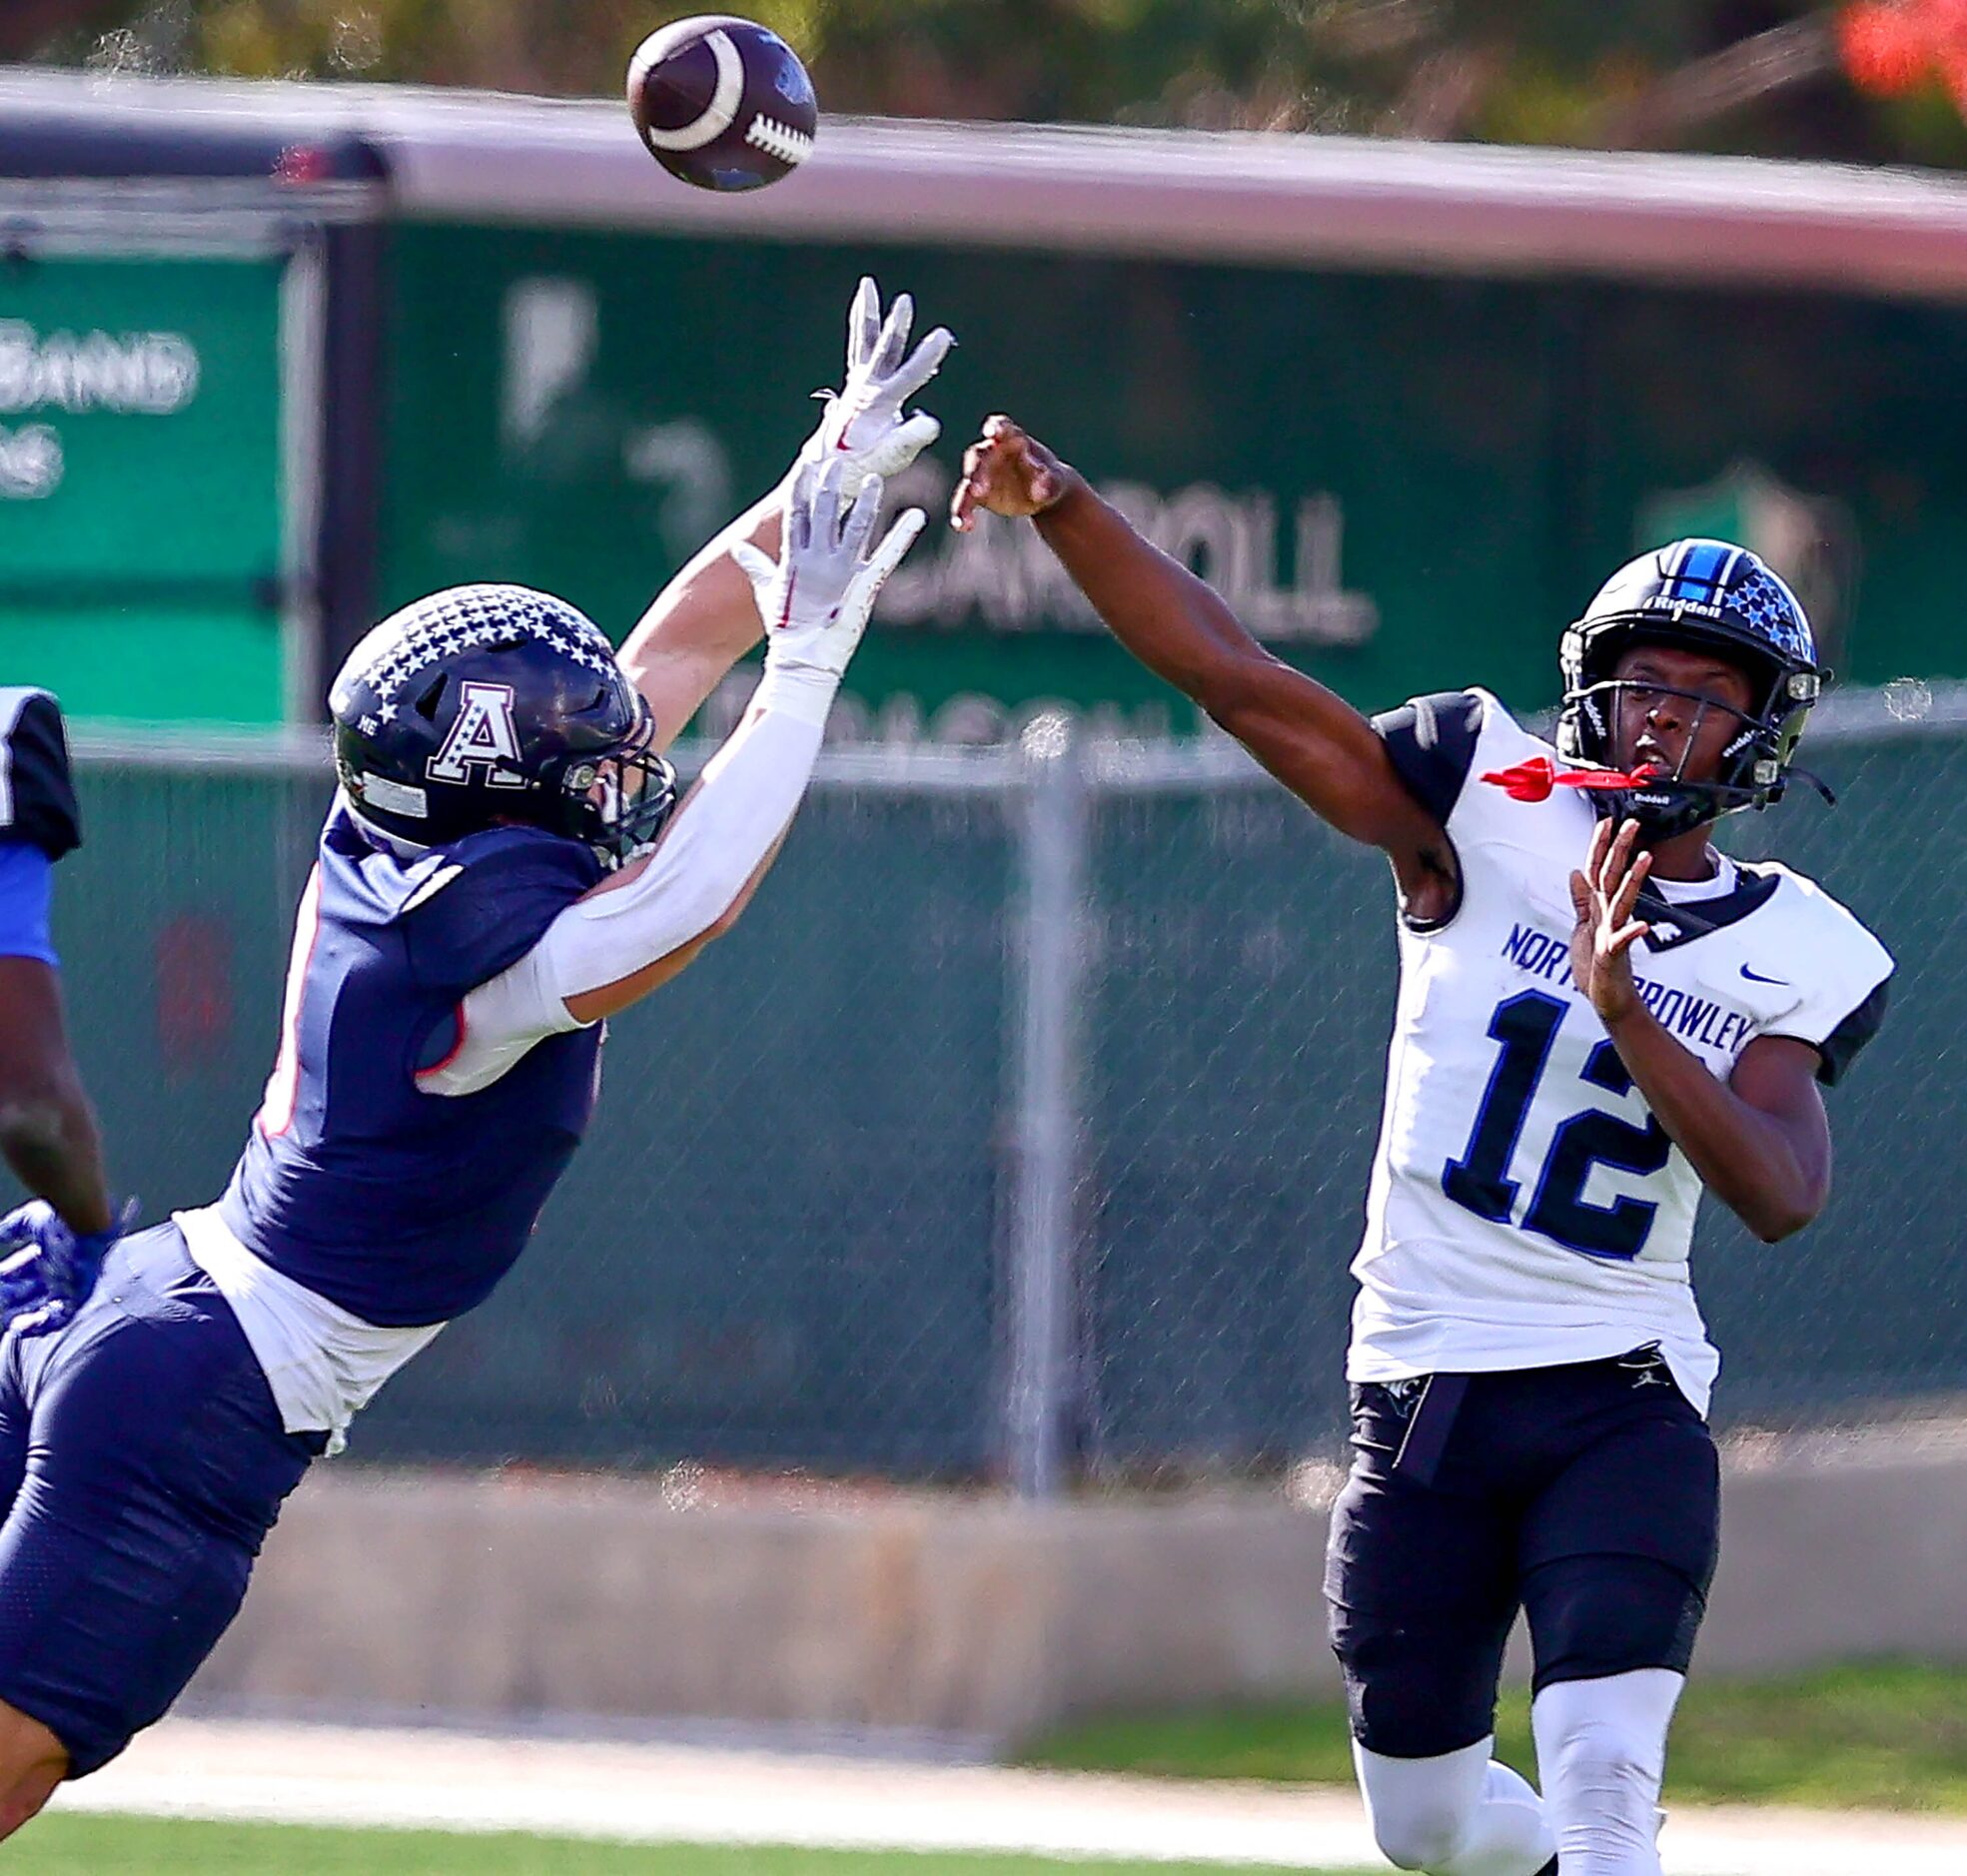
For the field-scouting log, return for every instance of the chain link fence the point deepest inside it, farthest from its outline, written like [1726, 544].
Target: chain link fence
[1023, 1128]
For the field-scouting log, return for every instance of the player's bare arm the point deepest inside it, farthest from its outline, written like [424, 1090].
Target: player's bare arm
[705, 619]
[1313, 741]
[48, 1130]
[1760, 1141]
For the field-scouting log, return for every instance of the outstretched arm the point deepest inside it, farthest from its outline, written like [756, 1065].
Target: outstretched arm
[650, 921]
[1312, 740]
[701, 624]
[636, 930]
[704, 621]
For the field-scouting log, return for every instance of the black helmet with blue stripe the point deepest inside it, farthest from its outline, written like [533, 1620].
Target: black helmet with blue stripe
[1702, 595]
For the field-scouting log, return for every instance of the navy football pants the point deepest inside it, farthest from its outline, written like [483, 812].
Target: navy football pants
[1588, 1495]
[142, 1463]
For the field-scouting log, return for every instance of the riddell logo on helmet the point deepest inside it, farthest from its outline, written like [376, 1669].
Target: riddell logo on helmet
[482, 736]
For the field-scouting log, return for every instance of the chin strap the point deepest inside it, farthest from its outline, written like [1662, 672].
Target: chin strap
[1537, 778]
[1818, 782]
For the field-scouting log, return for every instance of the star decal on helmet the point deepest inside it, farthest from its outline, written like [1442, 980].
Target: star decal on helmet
[467, 617]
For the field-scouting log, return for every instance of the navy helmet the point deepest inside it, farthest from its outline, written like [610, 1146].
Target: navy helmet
[482, 705]
[1703, 596]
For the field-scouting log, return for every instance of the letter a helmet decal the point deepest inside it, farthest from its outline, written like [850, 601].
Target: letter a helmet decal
[483, 732]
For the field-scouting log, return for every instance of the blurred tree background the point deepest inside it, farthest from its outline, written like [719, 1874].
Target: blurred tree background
[1862, 79]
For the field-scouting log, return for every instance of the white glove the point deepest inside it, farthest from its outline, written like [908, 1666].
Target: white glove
[816, 598]
[864, 427]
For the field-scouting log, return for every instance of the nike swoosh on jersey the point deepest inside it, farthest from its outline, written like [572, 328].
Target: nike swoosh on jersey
[1756, 977]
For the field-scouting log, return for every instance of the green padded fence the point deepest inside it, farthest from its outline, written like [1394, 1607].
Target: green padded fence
[811, 1225]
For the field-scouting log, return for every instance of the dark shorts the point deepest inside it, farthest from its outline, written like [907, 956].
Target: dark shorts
[1588, 1495]
[142, 1463]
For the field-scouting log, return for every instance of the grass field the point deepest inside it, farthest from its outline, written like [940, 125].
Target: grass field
[117, 1846]
[1889, 1735]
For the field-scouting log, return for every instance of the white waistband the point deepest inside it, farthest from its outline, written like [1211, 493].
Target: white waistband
[323, 1363]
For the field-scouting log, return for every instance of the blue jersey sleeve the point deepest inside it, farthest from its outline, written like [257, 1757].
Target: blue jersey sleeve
[481, 904]
[25, 887]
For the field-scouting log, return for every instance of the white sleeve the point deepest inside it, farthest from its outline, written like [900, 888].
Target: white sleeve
[741, 804]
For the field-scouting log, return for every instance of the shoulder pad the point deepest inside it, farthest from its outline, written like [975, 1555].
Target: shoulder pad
[1431, 743]
[37, 795]
[1844, 996]
[477, 905]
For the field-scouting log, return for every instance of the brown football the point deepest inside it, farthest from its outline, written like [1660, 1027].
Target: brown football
[721, 102]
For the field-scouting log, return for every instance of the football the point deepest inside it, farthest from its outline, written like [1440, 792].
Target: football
[721, 102]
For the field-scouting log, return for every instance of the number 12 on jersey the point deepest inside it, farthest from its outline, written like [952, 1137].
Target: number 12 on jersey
[1527, 1025]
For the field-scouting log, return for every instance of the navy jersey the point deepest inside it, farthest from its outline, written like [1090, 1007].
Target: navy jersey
[403, 1206]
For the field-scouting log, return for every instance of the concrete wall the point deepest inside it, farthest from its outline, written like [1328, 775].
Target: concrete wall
[978, 1621]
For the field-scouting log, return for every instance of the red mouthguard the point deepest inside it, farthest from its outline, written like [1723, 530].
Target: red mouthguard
[1533, 781]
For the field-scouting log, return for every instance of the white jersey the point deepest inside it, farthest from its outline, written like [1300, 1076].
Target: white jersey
[1525, 1209]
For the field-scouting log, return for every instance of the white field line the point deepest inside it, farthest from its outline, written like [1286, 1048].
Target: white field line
[403, 1777]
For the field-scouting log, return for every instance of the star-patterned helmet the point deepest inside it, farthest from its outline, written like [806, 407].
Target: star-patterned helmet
[1711, 596]
[481, 705]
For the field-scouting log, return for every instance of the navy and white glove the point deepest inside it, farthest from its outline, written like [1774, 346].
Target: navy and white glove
[864, 429]
[47, 1269]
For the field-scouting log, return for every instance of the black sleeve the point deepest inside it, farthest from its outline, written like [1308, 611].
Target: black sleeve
[1433, 743]
[1857, 1029]
[37, 797]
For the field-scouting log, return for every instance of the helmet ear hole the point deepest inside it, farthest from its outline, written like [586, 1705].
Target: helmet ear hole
[426, 705]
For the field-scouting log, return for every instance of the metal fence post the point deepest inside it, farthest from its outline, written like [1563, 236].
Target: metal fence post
[1045, 1126]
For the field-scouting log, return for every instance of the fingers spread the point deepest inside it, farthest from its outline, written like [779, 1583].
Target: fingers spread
[825, 527]
[1626, 938]
[858, 529]
[863, 323]
[798, 528]
[1594, 858]
[1628, 891]
[900, 539]
[973, 488]
[895, 336]
[922, 364]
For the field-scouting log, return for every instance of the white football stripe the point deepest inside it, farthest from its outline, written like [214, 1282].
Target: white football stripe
[722, 108]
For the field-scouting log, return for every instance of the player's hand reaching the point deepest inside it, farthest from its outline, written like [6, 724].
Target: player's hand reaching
[1007, 472]
[816, 598]
[1605, 896]
[49, 1269]
[864, 429]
